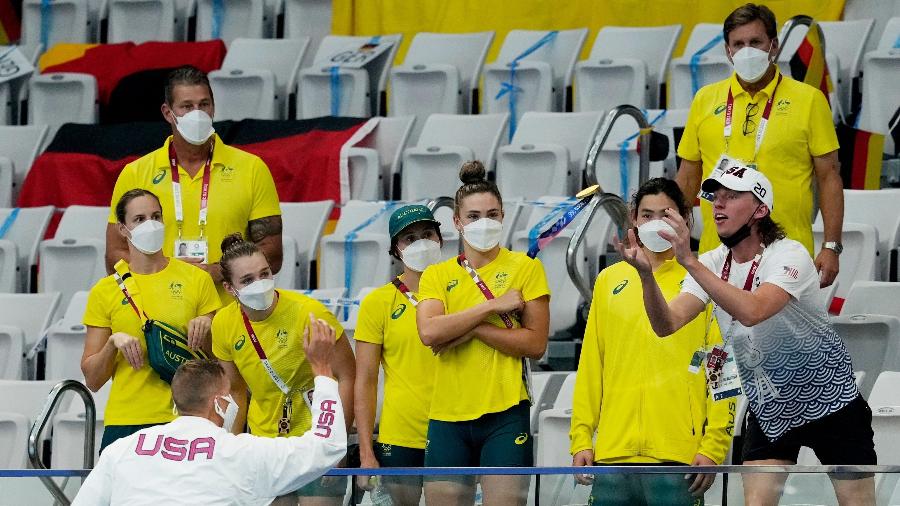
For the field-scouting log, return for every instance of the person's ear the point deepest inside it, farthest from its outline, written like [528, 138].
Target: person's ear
[728, 53]
[167, 113]
[123, 231]
[761, 212]
[457, 223]
[229, 288]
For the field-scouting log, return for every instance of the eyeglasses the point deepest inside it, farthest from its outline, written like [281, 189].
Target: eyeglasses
[750, 125]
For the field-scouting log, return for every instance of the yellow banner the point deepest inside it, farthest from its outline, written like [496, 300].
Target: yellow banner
[383, 17]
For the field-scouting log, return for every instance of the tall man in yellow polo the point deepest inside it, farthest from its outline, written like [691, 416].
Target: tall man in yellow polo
[240, 190]
[796, 144]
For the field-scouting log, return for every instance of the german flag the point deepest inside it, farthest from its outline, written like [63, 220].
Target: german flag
[131, 77]
[808, 63]
[10, 21]
[860, 156]
[82, 163]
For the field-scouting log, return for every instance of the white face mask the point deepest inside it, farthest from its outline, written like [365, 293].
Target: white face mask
[229, 413]
[649, 235]
[196, 127]
[420, 254]
[148, 237]
[750, 63]
[258, 295]
[483, 234]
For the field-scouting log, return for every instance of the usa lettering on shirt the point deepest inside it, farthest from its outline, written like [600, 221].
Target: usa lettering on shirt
[176, 449]
[326, 418]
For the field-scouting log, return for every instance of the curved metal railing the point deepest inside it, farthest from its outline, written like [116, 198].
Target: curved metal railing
[590, 169]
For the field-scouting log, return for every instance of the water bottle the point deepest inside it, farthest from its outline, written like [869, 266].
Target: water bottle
[379, 495]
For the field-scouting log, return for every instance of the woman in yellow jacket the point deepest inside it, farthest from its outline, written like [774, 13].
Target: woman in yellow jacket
[484, 313]
[637, 391]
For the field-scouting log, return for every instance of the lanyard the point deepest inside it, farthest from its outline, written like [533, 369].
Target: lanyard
[120, 280]
[402, 288]
[176, 191]
[263, 358]
[764, 120]
[461, 259]
[748, 284]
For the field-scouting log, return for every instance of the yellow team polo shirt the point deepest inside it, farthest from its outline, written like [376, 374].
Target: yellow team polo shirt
[241, 189]
[387, 318]
[800, 127]
[174, 295]
[281, 337]
[633, 388]
[474, 379]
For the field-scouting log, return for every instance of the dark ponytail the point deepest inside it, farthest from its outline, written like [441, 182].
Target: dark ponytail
[474, 180]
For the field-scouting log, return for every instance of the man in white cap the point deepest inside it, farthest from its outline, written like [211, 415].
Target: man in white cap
[778, 345]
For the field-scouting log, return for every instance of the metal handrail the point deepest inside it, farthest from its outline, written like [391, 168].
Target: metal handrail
[590, 169]
[40, 424]
[618, 211]
[794, 22]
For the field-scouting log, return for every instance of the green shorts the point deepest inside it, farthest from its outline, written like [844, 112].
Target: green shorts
[493, 440]
[400, 456]
[326, 486]
[627, 489]
[111, 433]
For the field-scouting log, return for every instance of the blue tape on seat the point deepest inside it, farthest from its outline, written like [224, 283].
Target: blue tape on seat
[695, 62]
[8, 223]
[348, 248]
[218, 15]
[623, 156]
[46, 23]
[335, 90]
[510, 88]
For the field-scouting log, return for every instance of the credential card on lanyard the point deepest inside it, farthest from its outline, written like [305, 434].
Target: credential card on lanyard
[725, 382]
[177, 195]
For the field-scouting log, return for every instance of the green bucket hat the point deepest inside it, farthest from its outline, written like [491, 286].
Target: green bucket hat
[407, 215]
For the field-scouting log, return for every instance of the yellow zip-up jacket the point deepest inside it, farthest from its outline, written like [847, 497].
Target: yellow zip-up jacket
[633, 388]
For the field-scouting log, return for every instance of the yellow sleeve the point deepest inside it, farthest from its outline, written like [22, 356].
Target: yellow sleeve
[822, 135]
[208, 300]
[719, 414]
[97, 313]
[370, 322]
[689, 147]
[322, 312]
[124, 182]
[221, 337]
[588, 379]
[535, 283]
[265, 196]
[430, 285]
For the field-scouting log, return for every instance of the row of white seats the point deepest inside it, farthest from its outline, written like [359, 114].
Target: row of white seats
[441, 71]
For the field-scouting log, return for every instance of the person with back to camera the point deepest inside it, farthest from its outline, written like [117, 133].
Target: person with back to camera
[643, 398]
[259, 342]
[782, 127]
[167, 291]
[779, 347]
[386, 335]
[484, 313]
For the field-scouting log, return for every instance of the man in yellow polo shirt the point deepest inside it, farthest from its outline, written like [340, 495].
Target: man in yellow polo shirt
[207, 188]
[776, 123]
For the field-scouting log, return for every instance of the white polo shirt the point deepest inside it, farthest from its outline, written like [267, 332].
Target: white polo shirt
[193, 461]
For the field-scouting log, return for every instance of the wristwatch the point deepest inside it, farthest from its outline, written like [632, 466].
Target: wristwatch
[833, 246]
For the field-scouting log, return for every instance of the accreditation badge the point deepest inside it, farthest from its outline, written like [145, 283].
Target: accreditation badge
[722, 373]
[192, 249]
[719, 168]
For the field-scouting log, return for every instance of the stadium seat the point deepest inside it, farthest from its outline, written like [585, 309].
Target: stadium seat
[352, 313]
[143, 21]
[612, 162]
[12, 349]
[75, 258]
[32, 313]
[304, 222]
[627, 65]
[65, 341]
[327, 296]
[21, 144]
[307, 18]
[880, 209]
[62, 97]
[6, 104]
[873, 342]
[237, 18]
[847, 40]
[447, 140]
[547, 154]
[68, 431]
[6, 182]
[554, 424]
[361, 89]
[21, 242]
[566, 298]
[14, 438]
[860, 256]
[543, 77]
[376, 158]
[257, 78]
[287, 275]
[880, 94]
[545, 387]
[885, 404]
[712, 65]
[370, 264]
[70, 21]
[439, 75]
[873, 297]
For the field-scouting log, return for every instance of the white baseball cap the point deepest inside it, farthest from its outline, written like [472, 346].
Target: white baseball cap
[739, 177]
